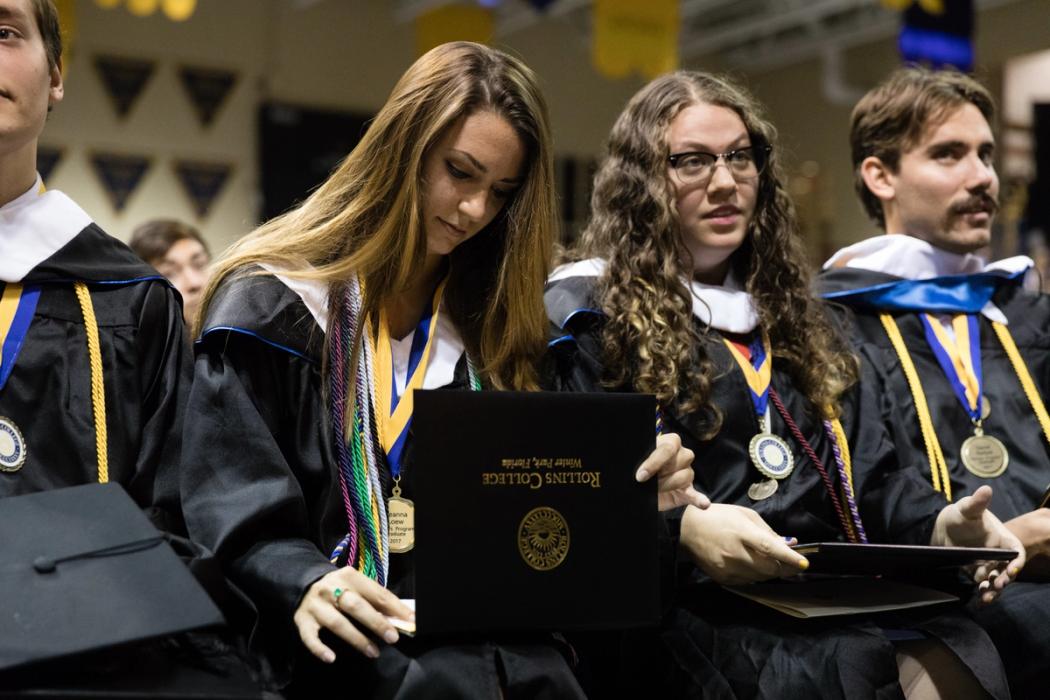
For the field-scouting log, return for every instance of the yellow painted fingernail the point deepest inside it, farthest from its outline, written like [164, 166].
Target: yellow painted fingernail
[804, 564]
[1012, 571]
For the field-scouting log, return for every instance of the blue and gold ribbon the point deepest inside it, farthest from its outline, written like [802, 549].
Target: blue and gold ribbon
[16, 313]
[959, 358]
[757, 369]
[394, 411]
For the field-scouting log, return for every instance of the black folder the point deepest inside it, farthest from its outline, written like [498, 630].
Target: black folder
[528, 515]
[893, 559]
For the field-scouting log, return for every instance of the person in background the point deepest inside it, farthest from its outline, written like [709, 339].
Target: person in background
[179, 252]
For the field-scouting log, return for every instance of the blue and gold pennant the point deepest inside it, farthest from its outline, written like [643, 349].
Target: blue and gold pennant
[202, 182]
[124, 79]
[207, 89]
[120, 175]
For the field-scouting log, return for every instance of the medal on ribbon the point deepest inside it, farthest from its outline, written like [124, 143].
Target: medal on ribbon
[960, 359]
[394, 415]
[770, 453]
[17, 306]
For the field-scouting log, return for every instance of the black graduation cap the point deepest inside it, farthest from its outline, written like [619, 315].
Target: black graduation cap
[81, 569]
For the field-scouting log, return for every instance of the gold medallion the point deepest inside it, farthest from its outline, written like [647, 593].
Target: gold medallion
[401, 521]
[761, 490]
[543, 538]
[984, 455]
[771, 455]
[12, 446]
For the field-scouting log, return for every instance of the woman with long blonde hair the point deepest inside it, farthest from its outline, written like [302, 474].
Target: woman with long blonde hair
[690, 283]
[420, 262]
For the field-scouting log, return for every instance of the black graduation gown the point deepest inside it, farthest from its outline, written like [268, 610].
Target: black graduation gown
[1019, 622]
[261, 490]
[146, 374]
[718, 645]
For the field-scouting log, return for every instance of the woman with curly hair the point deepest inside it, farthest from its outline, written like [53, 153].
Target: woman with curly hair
[690, 283]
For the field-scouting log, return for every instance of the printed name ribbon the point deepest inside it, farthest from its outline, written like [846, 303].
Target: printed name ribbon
[959, 358]
[757, 369]
[16, 313]
[394, 412]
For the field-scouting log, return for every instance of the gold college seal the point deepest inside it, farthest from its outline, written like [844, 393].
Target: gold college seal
[543, 538]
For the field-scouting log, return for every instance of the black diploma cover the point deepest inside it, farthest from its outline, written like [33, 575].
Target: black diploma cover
[893, 560]
[528, 515]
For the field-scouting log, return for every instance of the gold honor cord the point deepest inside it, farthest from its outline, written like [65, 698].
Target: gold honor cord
[98, 395]
[1021, 370]
[938, 465]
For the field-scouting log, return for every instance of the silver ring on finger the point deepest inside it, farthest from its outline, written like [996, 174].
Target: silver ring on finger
[336, 595]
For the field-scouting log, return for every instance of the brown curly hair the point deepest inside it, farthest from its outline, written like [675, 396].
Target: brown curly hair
[650, 341]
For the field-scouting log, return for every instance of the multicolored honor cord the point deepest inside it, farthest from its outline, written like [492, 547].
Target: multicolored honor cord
[16, 313]
[380, 422]
[851, 525]
[960, 359]
[356, 452]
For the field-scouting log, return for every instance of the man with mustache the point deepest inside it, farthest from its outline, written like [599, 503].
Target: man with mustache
[960, 346]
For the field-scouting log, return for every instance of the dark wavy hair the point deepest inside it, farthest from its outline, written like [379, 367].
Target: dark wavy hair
[650, 340]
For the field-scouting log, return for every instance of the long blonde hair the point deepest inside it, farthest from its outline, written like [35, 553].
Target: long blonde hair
[366, 217]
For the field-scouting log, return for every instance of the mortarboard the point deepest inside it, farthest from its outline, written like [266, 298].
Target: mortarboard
[82, 569]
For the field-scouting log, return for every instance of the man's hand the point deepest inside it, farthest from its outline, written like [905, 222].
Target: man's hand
[969, 523]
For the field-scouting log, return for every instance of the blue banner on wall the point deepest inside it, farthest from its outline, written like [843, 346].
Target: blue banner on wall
[202, 182]
[120, 175]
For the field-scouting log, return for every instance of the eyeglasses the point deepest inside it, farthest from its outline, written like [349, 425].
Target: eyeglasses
[743, 164]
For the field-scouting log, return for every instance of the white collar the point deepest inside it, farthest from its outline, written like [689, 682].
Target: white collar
[912, 258]
[726, 307]
[444, 354]
[34, 226]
